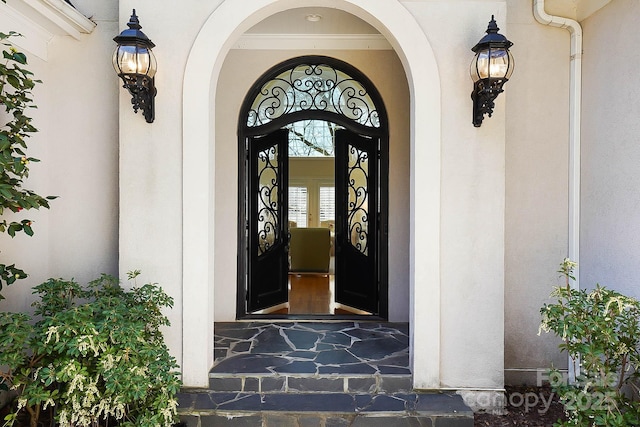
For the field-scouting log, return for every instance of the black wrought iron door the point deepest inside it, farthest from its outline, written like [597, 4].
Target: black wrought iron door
[357, 228]
[267, 218]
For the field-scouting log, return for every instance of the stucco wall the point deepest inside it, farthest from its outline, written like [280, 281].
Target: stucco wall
[610, 249]
[537, 170]
[237, 77]
[537, 144]
[78, 147]
[472, 197]
[151, 166]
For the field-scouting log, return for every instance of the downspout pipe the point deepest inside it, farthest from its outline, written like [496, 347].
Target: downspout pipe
[575, 102]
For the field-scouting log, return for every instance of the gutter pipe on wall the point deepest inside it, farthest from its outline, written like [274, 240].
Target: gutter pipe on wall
[575, 95]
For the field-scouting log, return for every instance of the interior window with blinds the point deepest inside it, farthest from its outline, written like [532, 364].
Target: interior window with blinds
[327, 203]
[298, 205]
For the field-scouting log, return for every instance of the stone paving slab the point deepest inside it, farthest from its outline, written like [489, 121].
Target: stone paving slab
[313, 348]
[439, 404]
[332, 420]
[204, 409]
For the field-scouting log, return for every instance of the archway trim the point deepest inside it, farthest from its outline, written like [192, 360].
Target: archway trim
[223, 27]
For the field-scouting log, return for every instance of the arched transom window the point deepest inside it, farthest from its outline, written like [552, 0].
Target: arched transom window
[309, 86]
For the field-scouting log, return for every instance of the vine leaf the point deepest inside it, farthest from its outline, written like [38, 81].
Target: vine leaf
[16, 99]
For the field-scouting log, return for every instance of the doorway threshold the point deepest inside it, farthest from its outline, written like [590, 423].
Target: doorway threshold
[323, 318]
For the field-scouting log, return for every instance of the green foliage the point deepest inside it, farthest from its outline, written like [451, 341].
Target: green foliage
[95, 353]
[16, 85]
[600, 332]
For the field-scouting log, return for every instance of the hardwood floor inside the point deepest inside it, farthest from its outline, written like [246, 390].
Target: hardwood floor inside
[311, 293]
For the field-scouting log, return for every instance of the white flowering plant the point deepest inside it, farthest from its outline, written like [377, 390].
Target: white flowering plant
[599, 330]
[92, 356]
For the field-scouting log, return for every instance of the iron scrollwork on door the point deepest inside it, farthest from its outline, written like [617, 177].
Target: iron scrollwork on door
[313, 87]
[357, 193]
[268, 202]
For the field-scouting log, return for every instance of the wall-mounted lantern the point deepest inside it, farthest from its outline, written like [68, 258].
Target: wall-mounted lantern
[490, 70]
[135, 64]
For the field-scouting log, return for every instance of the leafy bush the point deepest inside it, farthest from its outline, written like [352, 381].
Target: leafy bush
[94, 354]
[16, 84]
[600, 332]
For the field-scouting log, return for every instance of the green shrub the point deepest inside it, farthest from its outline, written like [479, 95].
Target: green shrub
[600, 332]
[95, 353]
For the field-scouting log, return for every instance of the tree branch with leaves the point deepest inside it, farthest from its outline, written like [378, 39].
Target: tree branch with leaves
[16, 86]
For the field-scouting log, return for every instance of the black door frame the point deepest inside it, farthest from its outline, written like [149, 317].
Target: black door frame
[247, 132]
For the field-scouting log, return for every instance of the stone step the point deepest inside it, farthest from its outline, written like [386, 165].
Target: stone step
[316, 374]
[309, 383]
[206, 408]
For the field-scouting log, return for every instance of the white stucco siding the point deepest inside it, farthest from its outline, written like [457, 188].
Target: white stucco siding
[472, 196]
[151, 170]
[537, 146]
[610, 250]
[84, 220]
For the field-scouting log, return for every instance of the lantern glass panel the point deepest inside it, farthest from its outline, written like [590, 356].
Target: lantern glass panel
[134, 59]
[492, 63]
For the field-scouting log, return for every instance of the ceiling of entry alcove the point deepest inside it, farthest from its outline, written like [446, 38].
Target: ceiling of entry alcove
[574, 9]
[301, 21]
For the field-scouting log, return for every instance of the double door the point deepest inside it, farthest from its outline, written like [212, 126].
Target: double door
[358, 228]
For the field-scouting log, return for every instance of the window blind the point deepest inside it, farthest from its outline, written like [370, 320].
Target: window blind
[298, 205]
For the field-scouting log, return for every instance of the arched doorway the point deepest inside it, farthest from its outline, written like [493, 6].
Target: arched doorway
[349, 125]
[206, 57]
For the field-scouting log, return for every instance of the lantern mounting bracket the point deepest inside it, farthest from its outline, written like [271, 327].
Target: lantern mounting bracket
[143, 94]
[484, 94]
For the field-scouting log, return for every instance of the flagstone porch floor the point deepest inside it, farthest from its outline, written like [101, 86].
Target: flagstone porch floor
[312, 348]
[299, 374]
